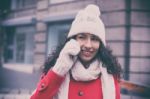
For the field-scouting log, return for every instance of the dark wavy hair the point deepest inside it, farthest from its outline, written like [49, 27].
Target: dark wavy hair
[104, 55]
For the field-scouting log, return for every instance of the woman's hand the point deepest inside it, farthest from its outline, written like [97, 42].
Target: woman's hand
[67, 57]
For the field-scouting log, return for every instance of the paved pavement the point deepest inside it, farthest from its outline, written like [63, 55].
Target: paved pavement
[15, 80]
[15, 96]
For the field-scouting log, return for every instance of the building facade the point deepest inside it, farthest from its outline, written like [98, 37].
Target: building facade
[34, 28]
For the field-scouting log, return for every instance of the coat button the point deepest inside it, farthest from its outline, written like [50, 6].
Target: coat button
[42, 86]
[80, 93]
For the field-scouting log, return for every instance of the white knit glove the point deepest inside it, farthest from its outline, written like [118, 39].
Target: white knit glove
[66, 57]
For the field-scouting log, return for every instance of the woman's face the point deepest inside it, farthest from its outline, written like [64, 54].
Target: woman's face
[89, 46]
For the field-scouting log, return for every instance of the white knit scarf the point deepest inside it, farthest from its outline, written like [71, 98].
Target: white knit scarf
[79, 73]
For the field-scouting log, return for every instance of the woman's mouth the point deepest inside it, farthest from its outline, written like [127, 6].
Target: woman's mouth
[87, 53]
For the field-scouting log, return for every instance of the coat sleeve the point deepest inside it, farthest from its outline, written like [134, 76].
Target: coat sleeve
[48, 86]
[117, 87]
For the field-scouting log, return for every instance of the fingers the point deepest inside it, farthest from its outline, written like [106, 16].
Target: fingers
[67, 57]
[72, 47]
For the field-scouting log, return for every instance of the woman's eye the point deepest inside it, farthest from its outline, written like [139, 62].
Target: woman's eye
[94, 39]
[81, 37]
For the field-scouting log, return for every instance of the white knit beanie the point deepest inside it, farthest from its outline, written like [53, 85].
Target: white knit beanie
[88, 21]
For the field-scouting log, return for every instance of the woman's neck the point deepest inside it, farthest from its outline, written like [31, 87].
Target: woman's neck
[85, 63]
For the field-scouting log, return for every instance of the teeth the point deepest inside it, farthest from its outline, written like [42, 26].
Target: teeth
[87, 53]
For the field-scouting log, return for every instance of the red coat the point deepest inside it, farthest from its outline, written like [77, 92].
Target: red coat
[49, 85]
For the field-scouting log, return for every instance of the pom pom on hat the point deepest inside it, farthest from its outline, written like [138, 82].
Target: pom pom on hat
[88, 21]
[93, 9]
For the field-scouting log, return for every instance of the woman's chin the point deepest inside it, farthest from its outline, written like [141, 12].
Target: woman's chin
[86, 59]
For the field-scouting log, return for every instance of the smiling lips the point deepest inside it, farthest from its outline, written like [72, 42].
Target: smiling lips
[87, 53]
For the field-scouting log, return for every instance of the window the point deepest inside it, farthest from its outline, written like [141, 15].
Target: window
[58, 1]
[20, 45]
[57, 35]
[18, 4]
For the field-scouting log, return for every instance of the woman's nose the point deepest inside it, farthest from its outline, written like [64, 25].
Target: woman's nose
[88, 43]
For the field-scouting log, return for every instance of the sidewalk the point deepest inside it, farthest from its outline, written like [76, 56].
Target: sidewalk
[15, 93]
[16, 84]
[11, 79]
[15, 96]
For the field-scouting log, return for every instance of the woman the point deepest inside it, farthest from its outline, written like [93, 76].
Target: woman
[84, 68]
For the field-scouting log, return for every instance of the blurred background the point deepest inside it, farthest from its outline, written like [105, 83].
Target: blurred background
[31, 29]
